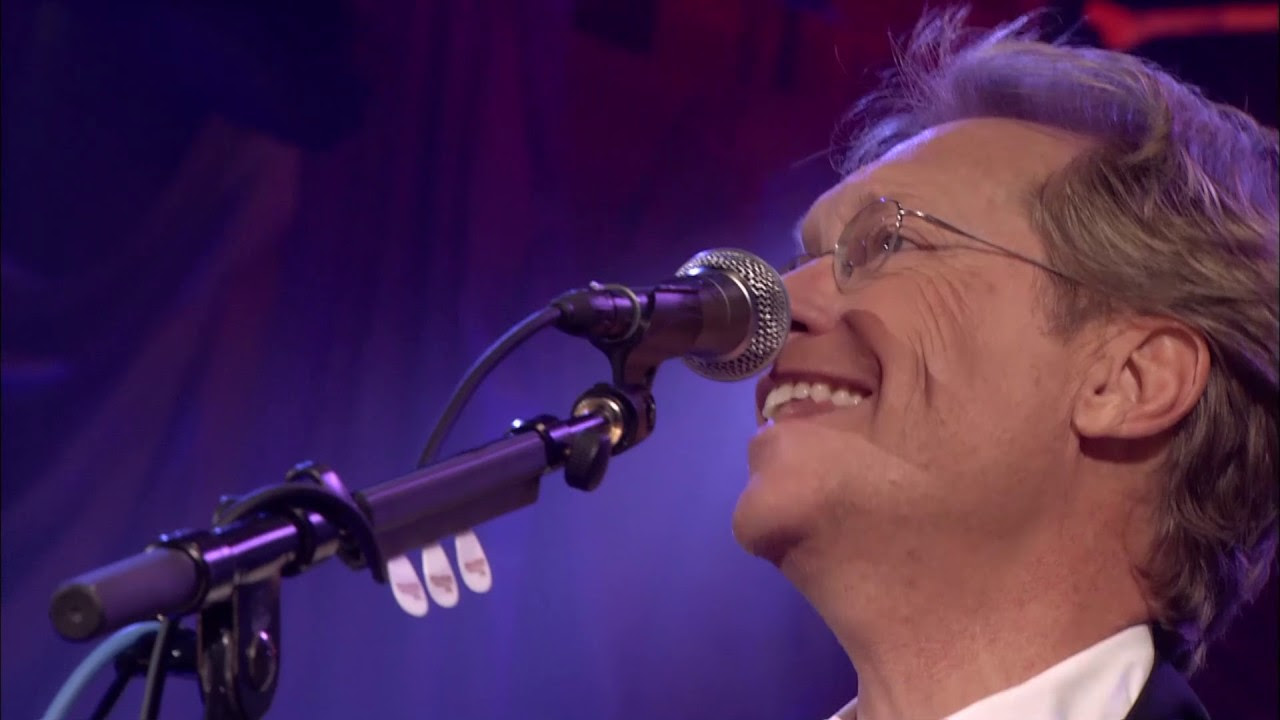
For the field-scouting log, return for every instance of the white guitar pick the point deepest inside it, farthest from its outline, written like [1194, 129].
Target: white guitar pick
[476, 574]
[406, 587]
[441, 583]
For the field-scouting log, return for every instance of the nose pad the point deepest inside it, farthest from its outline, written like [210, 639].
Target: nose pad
[814, 297]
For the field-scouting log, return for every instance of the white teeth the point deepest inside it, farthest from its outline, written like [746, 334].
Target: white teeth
[785, 393]
[844, 398]
[817, 392]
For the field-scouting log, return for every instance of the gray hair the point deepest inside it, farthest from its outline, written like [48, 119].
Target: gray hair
[1172, 214]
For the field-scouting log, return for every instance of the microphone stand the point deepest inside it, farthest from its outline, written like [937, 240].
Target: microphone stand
[230, 574]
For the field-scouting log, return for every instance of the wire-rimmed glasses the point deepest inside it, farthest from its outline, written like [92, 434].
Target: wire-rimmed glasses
[875, 233]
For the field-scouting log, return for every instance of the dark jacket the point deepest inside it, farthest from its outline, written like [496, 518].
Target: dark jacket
[1166, 696]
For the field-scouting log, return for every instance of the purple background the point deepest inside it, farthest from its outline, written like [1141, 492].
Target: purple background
[238, 235]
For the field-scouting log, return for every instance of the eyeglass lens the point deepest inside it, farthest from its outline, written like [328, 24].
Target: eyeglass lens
[870, 237]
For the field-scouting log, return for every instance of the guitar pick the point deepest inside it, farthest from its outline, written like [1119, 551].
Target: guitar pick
[406, 587]
[441, 583]
[476, 574]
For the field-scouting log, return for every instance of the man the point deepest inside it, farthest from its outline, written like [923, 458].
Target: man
[1020, 447]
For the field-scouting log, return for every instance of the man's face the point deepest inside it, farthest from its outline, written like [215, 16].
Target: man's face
[961, 444]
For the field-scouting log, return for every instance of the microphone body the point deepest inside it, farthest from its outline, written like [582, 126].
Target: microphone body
[726, 312]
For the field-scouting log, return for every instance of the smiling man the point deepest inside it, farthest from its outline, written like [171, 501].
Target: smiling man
[1019, 450]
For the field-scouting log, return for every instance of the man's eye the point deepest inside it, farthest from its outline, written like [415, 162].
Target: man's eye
[907, 242]
[882, 242]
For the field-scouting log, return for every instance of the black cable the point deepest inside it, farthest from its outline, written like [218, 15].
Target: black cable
[112, 694]
[299, 498]
[156, 670]
[492, 355]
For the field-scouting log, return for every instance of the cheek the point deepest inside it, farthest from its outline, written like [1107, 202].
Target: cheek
[934, 356]
[971, 370]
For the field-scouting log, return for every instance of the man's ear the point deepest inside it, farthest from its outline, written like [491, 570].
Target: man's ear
[1143, 380]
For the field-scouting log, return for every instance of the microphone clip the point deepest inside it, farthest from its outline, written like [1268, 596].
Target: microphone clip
[618, 321]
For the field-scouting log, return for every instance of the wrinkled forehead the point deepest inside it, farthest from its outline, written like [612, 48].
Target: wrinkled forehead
[979, 174]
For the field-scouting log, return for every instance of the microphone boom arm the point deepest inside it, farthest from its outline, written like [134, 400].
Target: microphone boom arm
[726, 312]
[230, 574]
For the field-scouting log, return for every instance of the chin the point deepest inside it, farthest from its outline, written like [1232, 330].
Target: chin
[765, 527]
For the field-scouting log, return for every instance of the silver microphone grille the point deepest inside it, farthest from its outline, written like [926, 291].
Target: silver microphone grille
[771, 313]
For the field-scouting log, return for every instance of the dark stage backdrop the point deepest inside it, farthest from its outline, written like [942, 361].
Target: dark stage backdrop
[240, 235]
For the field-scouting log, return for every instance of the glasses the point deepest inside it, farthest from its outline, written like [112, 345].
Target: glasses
[875, 233]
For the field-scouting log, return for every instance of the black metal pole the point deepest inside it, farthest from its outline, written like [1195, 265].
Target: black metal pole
[191, 571]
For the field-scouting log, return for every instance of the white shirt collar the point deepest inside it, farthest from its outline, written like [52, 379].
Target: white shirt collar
[1101, 681]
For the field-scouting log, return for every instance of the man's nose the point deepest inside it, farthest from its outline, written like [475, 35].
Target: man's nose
[815, 299]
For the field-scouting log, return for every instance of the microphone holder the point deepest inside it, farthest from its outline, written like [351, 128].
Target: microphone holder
[231, 573]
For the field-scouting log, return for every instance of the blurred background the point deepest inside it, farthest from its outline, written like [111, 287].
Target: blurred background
[237, 235]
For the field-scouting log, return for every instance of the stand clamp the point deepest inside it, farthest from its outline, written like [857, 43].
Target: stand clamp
[238, 630]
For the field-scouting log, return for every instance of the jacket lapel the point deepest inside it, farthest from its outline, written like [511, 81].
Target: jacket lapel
[1166, 696]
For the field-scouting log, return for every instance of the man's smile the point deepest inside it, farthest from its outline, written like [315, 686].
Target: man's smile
[802, 399]
[790, 392]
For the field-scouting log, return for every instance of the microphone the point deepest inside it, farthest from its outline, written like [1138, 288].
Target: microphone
[726, 311]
